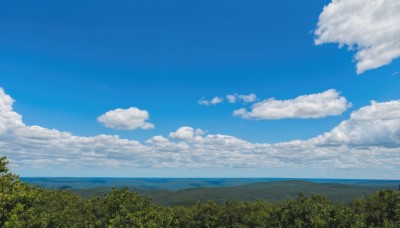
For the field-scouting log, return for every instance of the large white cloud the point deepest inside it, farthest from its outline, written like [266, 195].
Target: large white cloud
[369, 27]
[126, 119]
[370, 139]
[374, 125]
[8, 118]
[317, 105]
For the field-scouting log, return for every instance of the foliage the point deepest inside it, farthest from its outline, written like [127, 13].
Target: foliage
[23, 205]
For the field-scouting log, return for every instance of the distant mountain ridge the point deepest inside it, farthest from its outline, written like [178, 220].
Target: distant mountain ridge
[269, 191]
[186, 191]
[181, 183]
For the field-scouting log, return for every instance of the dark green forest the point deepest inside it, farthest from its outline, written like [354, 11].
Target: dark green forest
[24, 205]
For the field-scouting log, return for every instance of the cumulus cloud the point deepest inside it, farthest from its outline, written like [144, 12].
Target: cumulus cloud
[8, 118]
[369, 139]
[187, 133]
[213, 101]
[371, 28]
[317, 105]
[126, 119]
[374, 125]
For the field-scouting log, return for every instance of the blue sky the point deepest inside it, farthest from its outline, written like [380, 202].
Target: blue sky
[66, 63]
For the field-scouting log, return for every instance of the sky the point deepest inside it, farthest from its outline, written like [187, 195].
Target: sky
[201, 88]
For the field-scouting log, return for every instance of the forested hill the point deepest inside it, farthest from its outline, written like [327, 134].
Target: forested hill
[270, 191]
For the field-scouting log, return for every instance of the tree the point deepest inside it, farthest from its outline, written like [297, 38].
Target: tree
[3, 165]
[16, 198]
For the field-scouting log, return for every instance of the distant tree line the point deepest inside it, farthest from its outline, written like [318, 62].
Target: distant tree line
[23, 205]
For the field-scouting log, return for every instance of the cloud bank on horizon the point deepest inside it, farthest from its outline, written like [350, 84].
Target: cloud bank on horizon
[369, 139]
[371, 28]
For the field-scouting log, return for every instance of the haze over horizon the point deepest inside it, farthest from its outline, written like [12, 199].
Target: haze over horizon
[201, 88]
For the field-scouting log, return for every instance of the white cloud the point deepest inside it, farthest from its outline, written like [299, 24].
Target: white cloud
[126, 119]
[216, 100]
[187, 134]
[213, 101]
[8, 118]
[317, 105]
[374, 125]
[233, 98]
[248, 98]
[370, 139]
[157, 140]
[369, 27]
